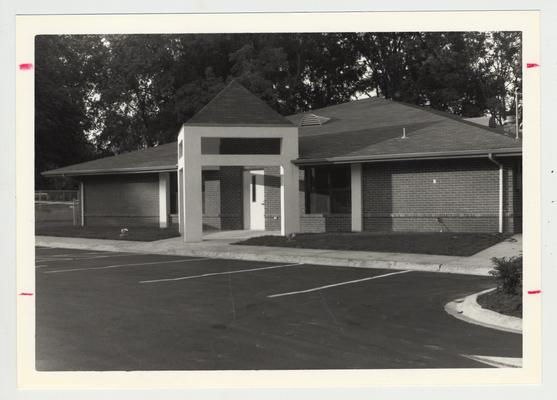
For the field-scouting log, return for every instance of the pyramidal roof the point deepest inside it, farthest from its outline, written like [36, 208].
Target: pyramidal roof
[237, 106]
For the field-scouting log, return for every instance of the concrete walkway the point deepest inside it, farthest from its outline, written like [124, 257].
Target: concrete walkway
[219, 246]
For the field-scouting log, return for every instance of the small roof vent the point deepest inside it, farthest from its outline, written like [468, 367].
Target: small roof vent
[313, 120]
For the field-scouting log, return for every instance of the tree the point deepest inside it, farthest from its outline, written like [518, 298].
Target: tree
[106, 94]
[502, 69]
[153, 83]
[62, 67]
[465, 73]
[298, 72]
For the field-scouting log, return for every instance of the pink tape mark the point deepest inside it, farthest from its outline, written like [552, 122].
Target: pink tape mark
[26, 66]
[534, 291]
[26, 294]
[532, 65]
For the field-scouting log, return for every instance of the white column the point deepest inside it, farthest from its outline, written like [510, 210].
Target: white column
[82, 202]
[246, 201]
[356, 196]
[501, 194]
[164, 198]
[289, 199]
[180, 199]
[191, 189]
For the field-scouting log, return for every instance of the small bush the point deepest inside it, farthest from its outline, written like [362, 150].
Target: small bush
[508, 273]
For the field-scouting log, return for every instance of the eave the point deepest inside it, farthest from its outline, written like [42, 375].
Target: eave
[112, 171]
[508, 152]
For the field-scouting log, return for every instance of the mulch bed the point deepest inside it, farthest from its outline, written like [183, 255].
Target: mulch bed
[502, 303]
[143, 234]
[438, 243]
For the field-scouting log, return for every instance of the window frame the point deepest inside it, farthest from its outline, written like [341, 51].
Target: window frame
[330, 191]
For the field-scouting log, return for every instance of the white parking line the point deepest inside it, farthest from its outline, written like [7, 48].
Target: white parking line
[337, 284]
[75, 254]
[83, 258]
[88, 254]
[125, 265]
[182, 278]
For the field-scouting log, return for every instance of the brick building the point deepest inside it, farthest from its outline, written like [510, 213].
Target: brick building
[371, 165]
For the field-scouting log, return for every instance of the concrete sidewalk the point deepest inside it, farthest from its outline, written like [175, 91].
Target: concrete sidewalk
[478, 264]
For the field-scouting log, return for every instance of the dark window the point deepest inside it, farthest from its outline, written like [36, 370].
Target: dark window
[217, 145]
[327, 190]
[253, 189]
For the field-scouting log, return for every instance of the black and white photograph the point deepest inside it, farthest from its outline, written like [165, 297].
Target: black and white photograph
[279, 201]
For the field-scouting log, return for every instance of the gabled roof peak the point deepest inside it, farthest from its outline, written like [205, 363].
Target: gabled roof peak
[237, 106]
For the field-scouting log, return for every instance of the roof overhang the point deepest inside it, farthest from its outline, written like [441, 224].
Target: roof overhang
[220, 125]
[510, 152]
[113, 171]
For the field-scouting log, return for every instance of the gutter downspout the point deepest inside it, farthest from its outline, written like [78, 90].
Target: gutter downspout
[494, 161]
[82, 203]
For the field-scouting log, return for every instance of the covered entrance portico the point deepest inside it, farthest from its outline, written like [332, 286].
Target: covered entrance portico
[251, 147]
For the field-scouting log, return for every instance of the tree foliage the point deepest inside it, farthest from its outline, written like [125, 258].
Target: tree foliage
[64, 73]
[105, 94]
[468, 74]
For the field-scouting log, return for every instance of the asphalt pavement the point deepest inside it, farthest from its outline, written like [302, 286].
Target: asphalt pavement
[99, 311]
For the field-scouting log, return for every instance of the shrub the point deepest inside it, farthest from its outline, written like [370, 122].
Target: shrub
[508, 273]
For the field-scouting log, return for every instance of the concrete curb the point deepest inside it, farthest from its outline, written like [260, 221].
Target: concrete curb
[468, 310]
[262, 253]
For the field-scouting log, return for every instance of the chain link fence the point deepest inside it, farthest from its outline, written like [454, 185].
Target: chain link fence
[57, 208]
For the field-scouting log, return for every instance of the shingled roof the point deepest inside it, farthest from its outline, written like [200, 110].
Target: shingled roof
[154, 159]
[372, 129]
[363, 130]
[237, 106]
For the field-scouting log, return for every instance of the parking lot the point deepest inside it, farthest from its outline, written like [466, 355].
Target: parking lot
[123, 311]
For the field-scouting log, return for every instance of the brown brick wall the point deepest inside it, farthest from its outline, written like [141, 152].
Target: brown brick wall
[132, 199]
[396, 197]
[223, 204]
[403, 196]
[211, 206]
[315, 223]
[231, 210]
[122, 200]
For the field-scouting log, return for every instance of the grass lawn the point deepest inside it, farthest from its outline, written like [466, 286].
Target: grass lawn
[501, 302]
[440, 243]
[144, 234]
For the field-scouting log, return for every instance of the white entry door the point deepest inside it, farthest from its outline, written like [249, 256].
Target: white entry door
[256, 199]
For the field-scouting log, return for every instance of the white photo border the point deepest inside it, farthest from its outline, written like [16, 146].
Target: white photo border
[27, 27]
